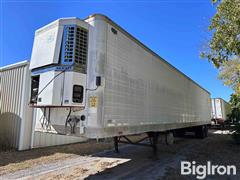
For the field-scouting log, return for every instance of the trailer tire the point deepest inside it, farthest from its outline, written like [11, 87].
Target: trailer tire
[200, 132]
[206, 131]
[179, 133]
[169, 138]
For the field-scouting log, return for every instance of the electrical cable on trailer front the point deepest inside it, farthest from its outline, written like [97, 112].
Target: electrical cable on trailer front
[52, 81]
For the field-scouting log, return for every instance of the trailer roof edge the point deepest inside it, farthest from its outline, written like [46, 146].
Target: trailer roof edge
[107, 19]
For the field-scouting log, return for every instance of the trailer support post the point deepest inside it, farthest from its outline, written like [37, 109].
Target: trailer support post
[153, 138]
[116, 144]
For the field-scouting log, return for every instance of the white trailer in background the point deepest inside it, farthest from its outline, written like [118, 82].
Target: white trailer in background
[220, 110]
[91, 78]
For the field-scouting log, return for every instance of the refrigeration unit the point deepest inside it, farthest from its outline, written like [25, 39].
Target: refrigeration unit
[59, 64]
[92, 78]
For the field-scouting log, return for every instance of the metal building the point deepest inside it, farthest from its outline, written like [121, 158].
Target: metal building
[15, 115]
[17, 122]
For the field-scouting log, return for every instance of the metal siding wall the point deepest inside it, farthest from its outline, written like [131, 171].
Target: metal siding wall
[11, 112]
[47, 139]
[27, 113]
[44, 139]
[16, 117]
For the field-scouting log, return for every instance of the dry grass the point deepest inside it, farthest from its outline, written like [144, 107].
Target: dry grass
[78, 172]
[73, 174]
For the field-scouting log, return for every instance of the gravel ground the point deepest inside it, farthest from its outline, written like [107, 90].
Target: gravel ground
[89, 161]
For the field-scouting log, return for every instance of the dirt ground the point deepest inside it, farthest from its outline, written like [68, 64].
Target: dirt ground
[11, 161]
[94, 160]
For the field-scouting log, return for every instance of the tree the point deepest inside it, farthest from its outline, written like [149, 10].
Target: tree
[223, 49]
[225, 26]
[230, 74]
[235, 108]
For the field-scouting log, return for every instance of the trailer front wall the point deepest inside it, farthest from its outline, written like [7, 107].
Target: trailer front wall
[220, 109]
[144, 93]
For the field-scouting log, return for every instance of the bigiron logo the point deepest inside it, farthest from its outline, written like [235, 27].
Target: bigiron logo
[202, 171]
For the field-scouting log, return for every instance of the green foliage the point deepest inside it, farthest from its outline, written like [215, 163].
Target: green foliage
[235, 108]
[230, 74]
[235, 116]
[225, 26]
[223, 49]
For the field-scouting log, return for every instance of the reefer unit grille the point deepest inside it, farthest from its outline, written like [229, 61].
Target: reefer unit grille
[81, 46]
[75, 47]
[68, 45]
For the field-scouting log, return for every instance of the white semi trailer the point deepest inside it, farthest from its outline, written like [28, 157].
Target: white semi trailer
[220, 110]
[92, 78]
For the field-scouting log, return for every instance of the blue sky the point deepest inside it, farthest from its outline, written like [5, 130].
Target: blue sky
[174, 29]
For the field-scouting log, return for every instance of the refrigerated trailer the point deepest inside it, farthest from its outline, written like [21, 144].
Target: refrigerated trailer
[220, 110]
[92, 78]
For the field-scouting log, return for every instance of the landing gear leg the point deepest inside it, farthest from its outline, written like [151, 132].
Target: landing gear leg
[116, 144]
[201, 132]
[153, 138]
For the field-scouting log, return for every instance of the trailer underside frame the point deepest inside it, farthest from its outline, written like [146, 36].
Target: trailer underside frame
[152, 136]
[200, 132]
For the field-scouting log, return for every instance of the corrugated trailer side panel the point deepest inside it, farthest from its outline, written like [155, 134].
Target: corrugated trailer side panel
[226, 109]
[15, 115]
[142, 90]
[223, 107]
